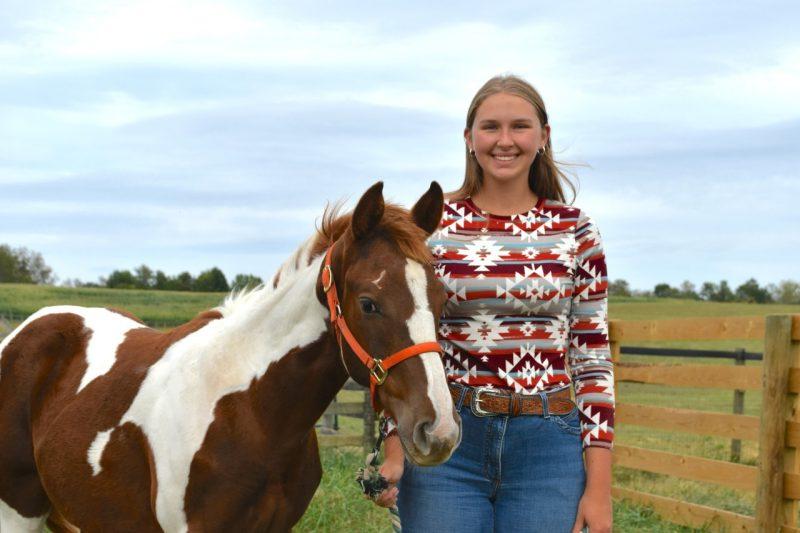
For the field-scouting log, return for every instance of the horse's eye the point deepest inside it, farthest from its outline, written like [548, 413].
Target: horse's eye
[368, 306]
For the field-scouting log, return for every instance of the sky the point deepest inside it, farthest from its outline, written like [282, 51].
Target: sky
[191, 134]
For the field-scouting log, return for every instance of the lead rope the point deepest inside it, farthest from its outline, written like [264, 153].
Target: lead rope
[371, 481]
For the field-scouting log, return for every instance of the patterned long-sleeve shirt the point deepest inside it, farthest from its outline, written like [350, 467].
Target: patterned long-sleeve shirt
[527, 305]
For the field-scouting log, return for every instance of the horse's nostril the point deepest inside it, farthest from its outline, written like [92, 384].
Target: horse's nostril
[422, 436]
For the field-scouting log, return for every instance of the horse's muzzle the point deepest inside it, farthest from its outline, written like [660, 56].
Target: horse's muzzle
[433, 444]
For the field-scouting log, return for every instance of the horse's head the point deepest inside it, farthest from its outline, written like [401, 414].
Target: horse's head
[391, 299]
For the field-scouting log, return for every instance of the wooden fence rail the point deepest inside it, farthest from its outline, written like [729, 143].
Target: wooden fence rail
[776, 478]
[356, 409]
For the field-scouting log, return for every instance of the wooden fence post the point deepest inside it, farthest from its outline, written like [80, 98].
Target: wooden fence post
[738, 409]
[776, 408]
[369, 424]
[613, 340]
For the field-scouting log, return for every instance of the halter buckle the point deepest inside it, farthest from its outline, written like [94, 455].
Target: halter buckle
[378, 372]
[326, 285]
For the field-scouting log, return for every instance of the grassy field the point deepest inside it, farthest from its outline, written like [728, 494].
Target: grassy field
[159, 308]
[337, 505]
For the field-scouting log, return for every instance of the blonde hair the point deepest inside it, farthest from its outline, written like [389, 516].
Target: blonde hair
[546, 178]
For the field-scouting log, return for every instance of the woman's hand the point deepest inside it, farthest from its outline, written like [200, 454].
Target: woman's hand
[594, 509]
[392, 470]
[594, 512]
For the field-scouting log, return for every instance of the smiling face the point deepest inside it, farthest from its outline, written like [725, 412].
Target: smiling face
[506, 136]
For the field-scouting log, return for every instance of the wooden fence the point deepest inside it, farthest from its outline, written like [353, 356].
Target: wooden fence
[361, 409]
[776, 478]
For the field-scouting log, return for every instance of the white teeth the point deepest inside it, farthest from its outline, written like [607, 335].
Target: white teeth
[505, 157]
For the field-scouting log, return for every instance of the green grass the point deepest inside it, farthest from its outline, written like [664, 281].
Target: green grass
[159, 308]
[659, 308]
[338, 506]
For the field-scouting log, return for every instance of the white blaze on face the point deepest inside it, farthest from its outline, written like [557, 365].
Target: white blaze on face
[421, 328]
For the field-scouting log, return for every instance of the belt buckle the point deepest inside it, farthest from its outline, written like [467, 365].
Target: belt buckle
[475, 404]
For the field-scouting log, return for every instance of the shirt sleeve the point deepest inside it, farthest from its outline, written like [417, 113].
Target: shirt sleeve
[589, 356]
[388, 426]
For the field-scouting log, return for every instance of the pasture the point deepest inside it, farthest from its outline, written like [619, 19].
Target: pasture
[338, 506]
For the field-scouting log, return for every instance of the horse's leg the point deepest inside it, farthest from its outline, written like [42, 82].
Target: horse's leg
[307, 474]
[23, 502]
[20, 488]
[12, 522]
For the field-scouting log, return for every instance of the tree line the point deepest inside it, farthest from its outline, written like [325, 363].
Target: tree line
[785, 292]
[144, 277]
[21, 265]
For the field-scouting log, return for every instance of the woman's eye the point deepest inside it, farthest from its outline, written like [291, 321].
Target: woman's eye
[368, 306]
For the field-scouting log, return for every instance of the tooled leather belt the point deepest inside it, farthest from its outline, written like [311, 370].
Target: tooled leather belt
[486, 401]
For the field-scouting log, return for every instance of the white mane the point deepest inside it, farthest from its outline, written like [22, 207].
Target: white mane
[241, 300]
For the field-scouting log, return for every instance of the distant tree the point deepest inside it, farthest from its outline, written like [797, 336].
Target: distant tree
[663, 290]
[212, 280]
[709, 290]
[32, 263]
[725, 293]
[246, 281]
[21, 265]
[182, 282]
[145, 277]
[687, 290]
[751, 292]
[717, 292]
[786, 292]
[619, 287]
[161, 281]
[9, 267]
[121, 279]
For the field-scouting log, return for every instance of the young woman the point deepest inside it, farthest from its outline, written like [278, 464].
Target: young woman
[526, 318]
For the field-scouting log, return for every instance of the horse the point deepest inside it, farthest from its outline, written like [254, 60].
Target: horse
[108, 424]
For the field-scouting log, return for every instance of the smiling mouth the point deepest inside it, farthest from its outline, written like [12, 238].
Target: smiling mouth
[510, 157]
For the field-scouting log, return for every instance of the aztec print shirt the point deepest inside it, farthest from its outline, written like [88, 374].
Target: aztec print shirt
[526, 309]
[527, 304]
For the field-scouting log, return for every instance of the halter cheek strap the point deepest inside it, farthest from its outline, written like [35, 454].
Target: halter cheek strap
[378, 367]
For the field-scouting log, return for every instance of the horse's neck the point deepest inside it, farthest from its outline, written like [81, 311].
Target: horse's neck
[283, 334]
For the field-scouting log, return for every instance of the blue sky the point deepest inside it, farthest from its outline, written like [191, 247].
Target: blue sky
[191, 134]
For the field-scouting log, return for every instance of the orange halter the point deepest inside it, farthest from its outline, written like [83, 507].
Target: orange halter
[378, 367]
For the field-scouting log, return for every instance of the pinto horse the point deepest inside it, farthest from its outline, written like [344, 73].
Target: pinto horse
[106, 424]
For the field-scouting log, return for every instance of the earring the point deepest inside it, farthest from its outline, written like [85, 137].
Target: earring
[472, 152]
[541, 150]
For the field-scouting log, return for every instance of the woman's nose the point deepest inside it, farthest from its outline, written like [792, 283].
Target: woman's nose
[505, 138]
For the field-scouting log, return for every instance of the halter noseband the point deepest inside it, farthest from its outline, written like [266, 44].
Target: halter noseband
[378, 367]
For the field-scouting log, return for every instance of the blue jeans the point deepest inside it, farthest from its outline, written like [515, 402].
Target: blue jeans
[510, 474]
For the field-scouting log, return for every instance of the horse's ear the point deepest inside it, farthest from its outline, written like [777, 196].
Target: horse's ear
[427, 212]
[368, 211]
